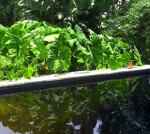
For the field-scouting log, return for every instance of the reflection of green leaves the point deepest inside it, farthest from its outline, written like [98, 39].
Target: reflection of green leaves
[52, 108]
[81, 107]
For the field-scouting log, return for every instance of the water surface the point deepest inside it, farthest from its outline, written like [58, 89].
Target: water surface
[113, 107]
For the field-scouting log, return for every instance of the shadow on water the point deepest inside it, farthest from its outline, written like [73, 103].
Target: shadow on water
[113, 107]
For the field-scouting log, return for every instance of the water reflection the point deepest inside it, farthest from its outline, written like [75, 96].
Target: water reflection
[6, 130]
[112, 107]
[98, 125]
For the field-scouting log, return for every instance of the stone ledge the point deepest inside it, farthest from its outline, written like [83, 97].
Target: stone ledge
[77, 77]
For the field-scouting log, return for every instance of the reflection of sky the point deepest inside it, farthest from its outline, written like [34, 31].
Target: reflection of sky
[97, 127]
[77, 127]
[96, 130]
[6, 130]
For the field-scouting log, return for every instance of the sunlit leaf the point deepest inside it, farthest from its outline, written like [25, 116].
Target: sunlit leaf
[10, 74]
[59, 57]
[27, 72]
[51, 38]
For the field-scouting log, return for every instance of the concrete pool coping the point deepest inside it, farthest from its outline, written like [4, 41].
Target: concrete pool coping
[70, 79]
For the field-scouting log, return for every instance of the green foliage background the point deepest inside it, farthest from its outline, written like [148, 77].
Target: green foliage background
[133, 28]
[47, 36]
[32, 48]
[6, 13]
[54, 36]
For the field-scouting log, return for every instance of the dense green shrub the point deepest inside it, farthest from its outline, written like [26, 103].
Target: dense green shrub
[32, 48]
[64, 12]
[6, 13]
[134, 28]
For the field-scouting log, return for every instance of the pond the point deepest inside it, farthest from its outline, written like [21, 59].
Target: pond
[111, 107]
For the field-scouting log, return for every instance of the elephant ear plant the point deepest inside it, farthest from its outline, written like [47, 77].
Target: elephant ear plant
[15, 50]
[31, 48]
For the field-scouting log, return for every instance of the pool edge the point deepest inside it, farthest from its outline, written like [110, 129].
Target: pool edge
[70, 79]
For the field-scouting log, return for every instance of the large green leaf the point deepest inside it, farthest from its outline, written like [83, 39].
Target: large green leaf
[4, 62]
[82, 54]
[137, 56]
[15, 38]
[39, 50]
[2, 28]
[10, 74]
[79, 32]
[51, 38]
[45, 30]
[33, 24]
[71, 42]
[43, 51]
[27, 72]
[97, 49]
[2, 31]
[44, 33]
[125, 57]
[114, 62]
[59, 57]
[71, 36]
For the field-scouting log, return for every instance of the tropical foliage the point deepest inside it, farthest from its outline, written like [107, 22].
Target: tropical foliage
[134, 28]
[71, 35]
[86, 13]
[32, 48]
[64, 13]
[6, 12]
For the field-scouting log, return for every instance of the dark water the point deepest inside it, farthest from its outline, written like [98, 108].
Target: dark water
[113, 107]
